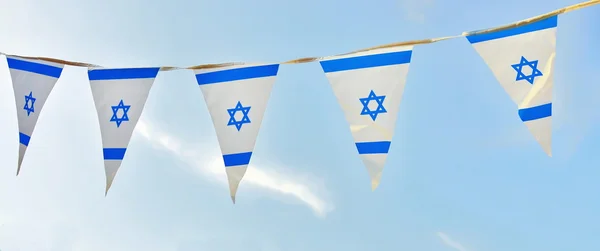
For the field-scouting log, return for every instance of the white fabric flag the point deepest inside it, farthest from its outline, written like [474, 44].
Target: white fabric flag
[369, 87]
[33, 80]
[119, 96]
[522, 59]
[236, 97]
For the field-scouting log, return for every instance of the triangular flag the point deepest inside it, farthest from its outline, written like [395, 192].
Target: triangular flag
[522, 59]
[369, 87]
[236, 97]
[33, 81]
[119, 96]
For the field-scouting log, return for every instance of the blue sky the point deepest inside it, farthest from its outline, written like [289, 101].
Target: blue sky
[463, 172]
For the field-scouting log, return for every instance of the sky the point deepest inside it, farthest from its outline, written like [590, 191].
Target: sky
[463, 172]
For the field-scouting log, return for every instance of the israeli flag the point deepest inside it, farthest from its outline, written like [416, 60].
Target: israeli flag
[522, 59]
[33, 80]
[236, 97]
[119, 96]
[369, 86]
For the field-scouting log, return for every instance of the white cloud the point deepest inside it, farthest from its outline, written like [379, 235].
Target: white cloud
[450, 242]
[265, 177]
[414, 10]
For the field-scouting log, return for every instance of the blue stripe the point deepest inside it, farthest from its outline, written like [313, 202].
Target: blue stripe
[353, 63]
[547, 23]
[114, 153]
[373, 147]
[536, 112]
[237, 74]
[237, 159]
[126, 73]
[43, 69]
[24, 139]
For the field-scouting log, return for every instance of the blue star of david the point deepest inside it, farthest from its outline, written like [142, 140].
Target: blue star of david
[534, 70]
[233, 111]
[124, 117]
[372, 97]
[27, 107]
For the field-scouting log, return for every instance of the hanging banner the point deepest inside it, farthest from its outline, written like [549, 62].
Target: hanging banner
[236, 97]
[119, 96]
[522, 59]
[369, 87]
[33, 81]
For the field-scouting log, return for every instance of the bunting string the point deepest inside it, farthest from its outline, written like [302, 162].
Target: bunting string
[314, 59]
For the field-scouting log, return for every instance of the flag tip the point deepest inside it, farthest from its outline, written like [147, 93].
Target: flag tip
[548, 152]
[233, 199]
[374, 185]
